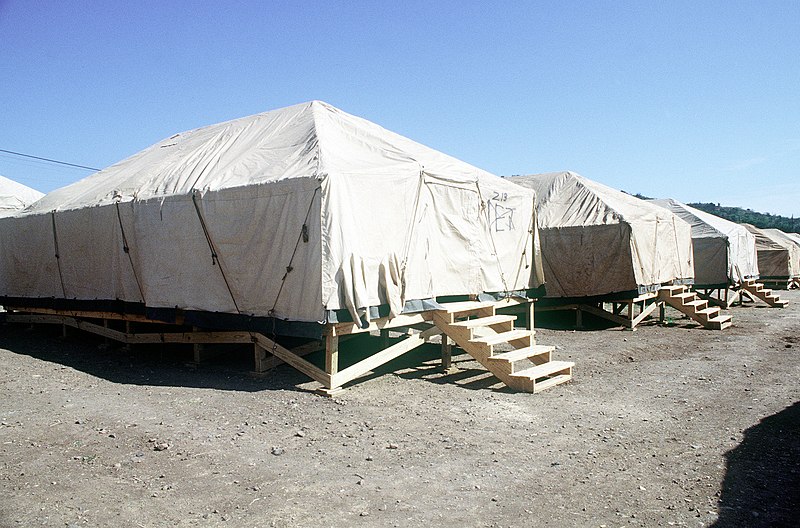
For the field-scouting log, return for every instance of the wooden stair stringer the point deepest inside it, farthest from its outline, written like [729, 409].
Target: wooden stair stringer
[757, 290]
[693, 307]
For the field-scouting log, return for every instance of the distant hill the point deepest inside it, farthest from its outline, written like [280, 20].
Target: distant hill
[744, 216]
[747, 216]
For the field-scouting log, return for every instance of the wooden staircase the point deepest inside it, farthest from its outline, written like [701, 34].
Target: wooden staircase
[687, 302]
[477, 329]
[757, 290]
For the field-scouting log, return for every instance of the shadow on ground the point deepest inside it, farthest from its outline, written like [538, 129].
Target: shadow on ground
[170, 364]
[762, 481]
[567, 320]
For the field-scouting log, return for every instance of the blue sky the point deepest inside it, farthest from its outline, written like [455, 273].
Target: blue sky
[698, 101]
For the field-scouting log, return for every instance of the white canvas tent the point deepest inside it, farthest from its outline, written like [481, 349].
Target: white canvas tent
[598, 241]
[778, 255]
[724, 251]
[14, 196]
[298, 214]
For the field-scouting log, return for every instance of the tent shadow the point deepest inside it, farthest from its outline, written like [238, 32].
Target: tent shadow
[422, 363]
[156, 365]
[762, 479]
[566, 320]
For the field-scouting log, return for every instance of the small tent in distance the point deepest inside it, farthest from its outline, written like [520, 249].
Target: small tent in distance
[778, 258]
[15, 196]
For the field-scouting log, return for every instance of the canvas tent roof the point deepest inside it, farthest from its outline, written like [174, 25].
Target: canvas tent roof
[724, 251]
[794, 236]
[597, 240]
[778, 256]
[15, 196]
[212, 219]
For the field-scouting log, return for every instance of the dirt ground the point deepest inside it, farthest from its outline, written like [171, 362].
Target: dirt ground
[664, 426]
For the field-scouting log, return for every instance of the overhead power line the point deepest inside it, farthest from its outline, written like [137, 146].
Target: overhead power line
[48, 159]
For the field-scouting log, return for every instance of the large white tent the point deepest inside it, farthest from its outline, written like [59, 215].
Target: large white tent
[303, 213]
[778, 255]
[724, 251]
[14, 196]
[598, 241]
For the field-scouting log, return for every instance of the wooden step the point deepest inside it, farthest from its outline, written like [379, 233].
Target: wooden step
[503, 337]
[672, 290]
[720, 322]
[696, 303]
[485, 321]
[539, 386]
[708, 312]
[525, 353]
[545, 369]
[684, 295]
[462, 307]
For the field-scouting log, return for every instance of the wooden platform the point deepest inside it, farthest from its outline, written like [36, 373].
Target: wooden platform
[630, 312]
[627, 313]
[416, 330]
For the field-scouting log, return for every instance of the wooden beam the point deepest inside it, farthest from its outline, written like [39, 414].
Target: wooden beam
[191, 337]
[646, 311]
[265, 361]
[86, 314]
[599, 312]
[379, 324]
[381, 358]
[310, 370]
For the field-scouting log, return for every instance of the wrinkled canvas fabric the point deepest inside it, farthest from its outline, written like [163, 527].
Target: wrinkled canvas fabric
[724, 251]
[291, 213]
[597, 240]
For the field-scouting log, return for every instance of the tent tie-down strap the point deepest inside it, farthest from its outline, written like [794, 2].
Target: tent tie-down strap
[289, 268]
[126, 248]
[58, 255]
[214, 256]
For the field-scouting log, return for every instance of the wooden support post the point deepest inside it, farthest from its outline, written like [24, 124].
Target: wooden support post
[127, 346]
[331, 354]
[530, 325]
[332, 365]
[384, 337]
[63, 331]
[106, 341]
[197, 349]
[578, 318]
[260, 358]
[662, 312]
[201, 352]
[447, 356]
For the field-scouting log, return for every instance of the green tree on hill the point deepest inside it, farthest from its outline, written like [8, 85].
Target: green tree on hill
[748, 216]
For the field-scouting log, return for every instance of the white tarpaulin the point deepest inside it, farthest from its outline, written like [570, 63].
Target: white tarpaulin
[778, 255]
[598, 241]
[212, 219]
[724, 251]
[15, 196]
